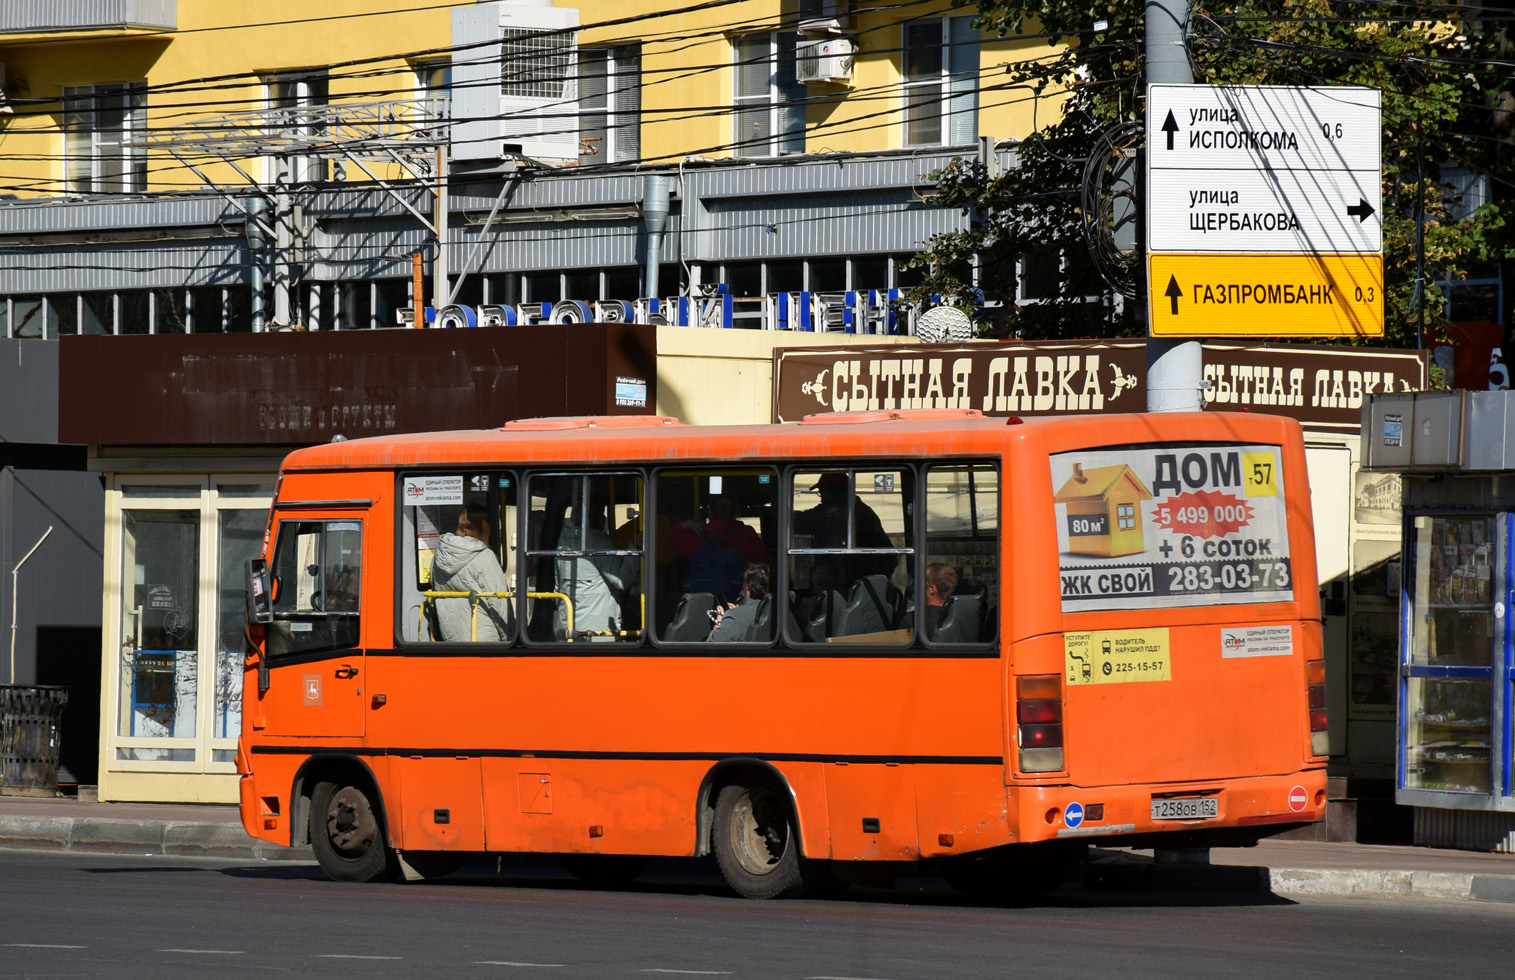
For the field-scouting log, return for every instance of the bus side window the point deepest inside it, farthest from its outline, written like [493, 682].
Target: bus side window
[459, 550]
[317, 573]
[961, 577]
[713, 525]
[851, 555]
[584, 557]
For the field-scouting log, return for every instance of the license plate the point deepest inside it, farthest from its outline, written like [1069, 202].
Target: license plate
[1186, 808]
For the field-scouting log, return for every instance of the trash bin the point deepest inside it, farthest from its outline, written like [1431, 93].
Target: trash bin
[29, 741]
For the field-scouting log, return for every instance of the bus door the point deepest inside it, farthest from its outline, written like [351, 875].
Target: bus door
[315, 664]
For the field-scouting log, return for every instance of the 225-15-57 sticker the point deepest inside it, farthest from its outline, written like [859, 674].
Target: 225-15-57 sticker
[1171, 526]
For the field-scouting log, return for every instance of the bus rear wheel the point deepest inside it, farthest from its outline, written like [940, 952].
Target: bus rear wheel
[755, 843]
[346, 834]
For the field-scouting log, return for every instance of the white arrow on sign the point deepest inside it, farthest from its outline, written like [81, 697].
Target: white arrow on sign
[1262, 127]
[1265, 211]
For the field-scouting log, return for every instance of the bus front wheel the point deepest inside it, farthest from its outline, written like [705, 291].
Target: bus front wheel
[756, 847]
[346, 835]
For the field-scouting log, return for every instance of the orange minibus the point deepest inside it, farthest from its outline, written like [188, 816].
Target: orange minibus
[920, 635]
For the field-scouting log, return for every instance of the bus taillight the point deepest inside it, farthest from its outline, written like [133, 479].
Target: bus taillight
[1315, 680]
[1039, 719]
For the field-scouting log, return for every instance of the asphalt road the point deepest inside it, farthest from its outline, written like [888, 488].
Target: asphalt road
[78, 915]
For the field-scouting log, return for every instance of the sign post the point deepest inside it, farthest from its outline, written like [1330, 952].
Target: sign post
[1264, 211]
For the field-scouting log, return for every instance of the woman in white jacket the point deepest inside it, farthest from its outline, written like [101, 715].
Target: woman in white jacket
[464, 563]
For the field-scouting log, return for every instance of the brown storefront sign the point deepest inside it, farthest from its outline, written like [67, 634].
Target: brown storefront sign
[1322, 387]
[302, 388]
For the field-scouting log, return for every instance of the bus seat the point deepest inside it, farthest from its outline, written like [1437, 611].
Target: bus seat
[691, 620]
[960, 620]
[872, 606]
[761, 630]
[825, 617]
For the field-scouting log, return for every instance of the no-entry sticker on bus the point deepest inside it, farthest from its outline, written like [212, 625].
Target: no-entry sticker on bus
[1171, 525]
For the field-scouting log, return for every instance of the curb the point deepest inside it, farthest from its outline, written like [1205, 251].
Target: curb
[1338, 882]
[106, 835]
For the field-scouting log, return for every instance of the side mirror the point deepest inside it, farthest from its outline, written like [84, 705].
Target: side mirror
[259, 608]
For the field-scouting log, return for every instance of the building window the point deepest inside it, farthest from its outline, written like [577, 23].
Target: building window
[98, 123]
[939, 65]
[296, 105]
[434, 90]
[610, 104]
[769, 105]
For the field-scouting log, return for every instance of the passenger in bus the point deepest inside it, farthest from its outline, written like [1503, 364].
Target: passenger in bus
[594, 584]
[941, 582]
[826, 524]
[464, 562]
[735, 620]
[719, 550]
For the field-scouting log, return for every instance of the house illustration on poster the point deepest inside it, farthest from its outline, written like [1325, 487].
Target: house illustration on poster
[1103, 510]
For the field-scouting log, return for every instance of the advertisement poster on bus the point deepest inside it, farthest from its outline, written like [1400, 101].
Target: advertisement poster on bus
[1144, 528]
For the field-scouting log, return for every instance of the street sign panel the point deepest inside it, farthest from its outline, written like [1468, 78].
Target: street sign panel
[1231, 295]
[1264, 211]
[1259, 211]
[1263, 127]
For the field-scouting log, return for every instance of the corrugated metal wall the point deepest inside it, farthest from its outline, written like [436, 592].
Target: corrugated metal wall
[842, 206]
[51, 15]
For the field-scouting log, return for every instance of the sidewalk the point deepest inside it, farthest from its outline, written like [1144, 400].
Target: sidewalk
[1281, 867]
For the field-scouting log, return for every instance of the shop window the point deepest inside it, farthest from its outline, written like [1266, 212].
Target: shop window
[715, 530]
[390, 297]
[135, 312]
[460, 553]
[160, 689]
[240, 538]
[623, 282]
[584, 558]
[316, 579]
[961, 587]
[27, 317]
[543, 287]
[828, 275]
[851, 555]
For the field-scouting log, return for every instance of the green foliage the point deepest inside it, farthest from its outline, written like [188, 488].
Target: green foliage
[1438, 79]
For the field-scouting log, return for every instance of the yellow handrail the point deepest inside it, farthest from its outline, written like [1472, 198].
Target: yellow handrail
[473, 632]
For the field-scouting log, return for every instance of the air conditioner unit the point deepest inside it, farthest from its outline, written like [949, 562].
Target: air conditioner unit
[515, 82]
[828, 59]
[824, 17]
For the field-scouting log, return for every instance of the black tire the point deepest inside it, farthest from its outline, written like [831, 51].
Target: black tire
[755, 843]
[1014, 875]
[605, 870]
[347, 833]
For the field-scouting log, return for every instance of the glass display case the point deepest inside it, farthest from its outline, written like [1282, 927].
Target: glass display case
[1447, 735]
[1456, 638]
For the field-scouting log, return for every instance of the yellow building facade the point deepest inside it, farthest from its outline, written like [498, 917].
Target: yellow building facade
[163, 96]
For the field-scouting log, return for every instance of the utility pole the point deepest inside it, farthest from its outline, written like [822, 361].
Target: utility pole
[1175, 368]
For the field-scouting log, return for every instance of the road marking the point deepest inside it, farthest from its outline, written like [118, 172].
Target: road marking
[41, 946]
[352, 956]
[208, 952]
[841, 978]
[692, 973]
[544, 966]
